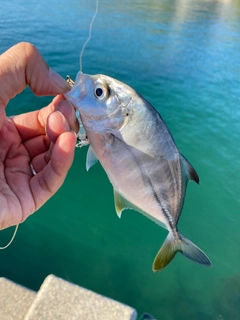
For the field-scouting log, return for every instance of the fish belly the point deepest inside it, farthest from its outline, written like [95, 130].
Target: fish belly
[130, 171]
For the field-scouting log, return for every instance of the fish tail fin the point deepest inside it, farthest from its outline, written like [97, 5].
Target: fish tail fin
[172, 245]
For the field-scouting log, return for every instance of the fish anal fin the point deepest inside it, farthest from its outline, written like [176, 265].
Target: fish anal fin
[189, 170]
[171, 246]
[122, 203]
[91, 158]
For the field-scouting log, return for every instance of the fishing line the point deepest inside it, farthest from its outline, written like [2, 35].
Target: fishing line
[81, 55]
[89, 34]
[14, 234]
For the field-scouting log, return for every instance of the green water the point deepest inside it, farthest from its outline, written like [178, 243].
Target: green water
[184, 57]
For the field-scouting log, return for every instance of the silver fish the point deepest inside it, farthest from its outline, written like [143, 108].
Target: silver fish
[138, 153]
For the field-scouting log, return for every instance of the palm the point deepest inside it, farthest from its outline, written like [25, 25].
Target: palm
[23, 141]
[16, 196]
[42, 138]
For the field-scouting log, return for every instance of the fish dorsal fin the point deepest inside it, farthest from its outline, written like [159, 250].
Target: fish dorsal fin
[91, 158]
[189, 170]
[121, 204]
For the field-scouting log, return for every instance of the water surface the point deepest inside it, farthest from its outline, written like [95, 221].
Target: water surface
[184, 57]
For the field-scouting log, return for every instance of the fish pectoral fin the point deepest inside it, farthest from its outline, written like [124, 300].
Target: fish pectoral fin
[121, 204]
[91, 158]
[189, 170]
[171, 246]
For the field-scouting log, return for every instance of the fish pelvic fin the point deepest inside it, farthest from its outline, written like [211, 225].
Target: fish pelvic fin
[91, 158]
[172, 245]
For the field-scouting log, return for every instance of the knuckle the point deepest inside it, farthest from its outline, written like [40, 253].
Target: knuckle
[44, 184]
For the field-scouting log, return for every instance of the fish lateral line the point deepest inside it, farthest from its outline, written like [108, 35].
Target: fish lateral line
[165, 211]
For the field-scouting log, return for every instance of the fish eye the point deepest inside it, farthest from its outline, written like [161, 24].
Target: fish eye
[99, 92]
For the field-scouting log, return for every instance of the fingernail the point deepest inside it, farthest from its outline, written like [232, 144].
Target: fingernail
[67, 109]
[61, 83]
[64, 121]
[64, 104]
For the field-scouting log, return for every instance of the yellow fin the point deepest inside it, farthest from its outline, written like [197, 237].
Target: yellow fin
[183, 245]
[121, 204]
[165, 254]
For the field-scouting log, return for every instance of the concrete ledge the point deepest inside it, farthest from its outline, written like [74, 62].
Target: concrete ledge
[14, 300]
[61, 300]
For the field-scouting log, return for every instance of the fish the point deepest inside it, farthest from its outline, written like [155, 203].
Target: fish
[137, 151]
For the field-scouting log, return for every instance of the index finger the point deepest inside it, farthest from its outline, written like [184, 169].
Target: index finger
[23, 65]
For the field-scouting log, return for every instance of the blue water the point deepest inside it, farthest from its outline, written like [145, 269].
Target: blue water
[183, 57]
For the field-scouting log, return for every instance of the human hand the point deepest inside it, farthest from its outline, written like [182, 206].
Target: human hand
[43, 138]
